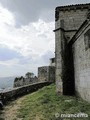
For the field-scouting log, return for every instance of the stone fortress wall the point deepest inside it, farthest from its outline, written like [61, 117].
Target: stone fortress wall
[81, 56]
[21, 81]
[72, 59]
[47, 73]
[20, 91]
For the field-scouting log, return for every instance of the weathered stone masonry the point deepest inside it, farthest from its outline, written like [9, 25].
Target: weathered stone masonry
[70, 51]
[81, 56]
[20, 91]
[47, 73]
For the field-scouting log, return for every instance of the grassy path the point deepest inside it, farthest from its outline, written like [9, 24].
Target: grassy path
[11, 110]
[44, 105]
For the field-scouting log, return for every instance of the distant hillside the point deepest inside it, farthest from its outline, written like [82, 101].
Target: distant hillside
[6, 82]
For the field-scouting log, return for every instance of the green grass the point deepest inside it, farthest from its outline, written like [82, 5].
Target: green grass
[45, 103]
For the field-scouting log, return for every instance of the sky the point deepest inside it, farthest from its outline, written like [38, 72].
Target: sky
[27, 40]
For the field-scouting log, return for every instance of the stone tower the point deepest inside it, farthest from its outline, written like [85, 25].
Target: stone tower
[68, 20]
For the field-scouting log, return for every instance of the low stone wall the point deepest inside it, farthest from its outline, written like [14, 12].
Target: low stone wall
[17, 92]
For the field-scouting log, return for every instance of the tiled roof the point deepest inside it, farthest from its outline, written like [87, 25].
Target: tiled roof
[74, 6]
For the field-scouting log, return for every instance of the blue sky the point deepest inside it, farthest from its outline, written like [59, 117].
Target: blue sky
[27, 40]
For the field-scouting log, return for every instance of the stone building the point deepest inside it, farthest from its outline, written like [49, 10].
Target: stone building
[72, 50]
[47, 73]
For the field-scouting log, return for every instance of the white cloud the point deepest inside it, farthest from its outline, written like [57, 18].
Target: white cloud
[6, 17]
[31, 41]
[9, 62]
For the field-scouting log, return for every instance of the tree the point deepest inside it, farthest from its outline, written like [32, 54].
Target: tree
[29, 75]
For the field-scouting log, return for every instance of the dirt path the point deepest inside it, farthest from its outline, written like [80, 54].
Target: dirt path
[10, 111]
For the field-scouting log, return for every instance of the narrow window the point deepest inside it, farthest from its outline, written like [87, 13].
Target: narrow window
[87, 39]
